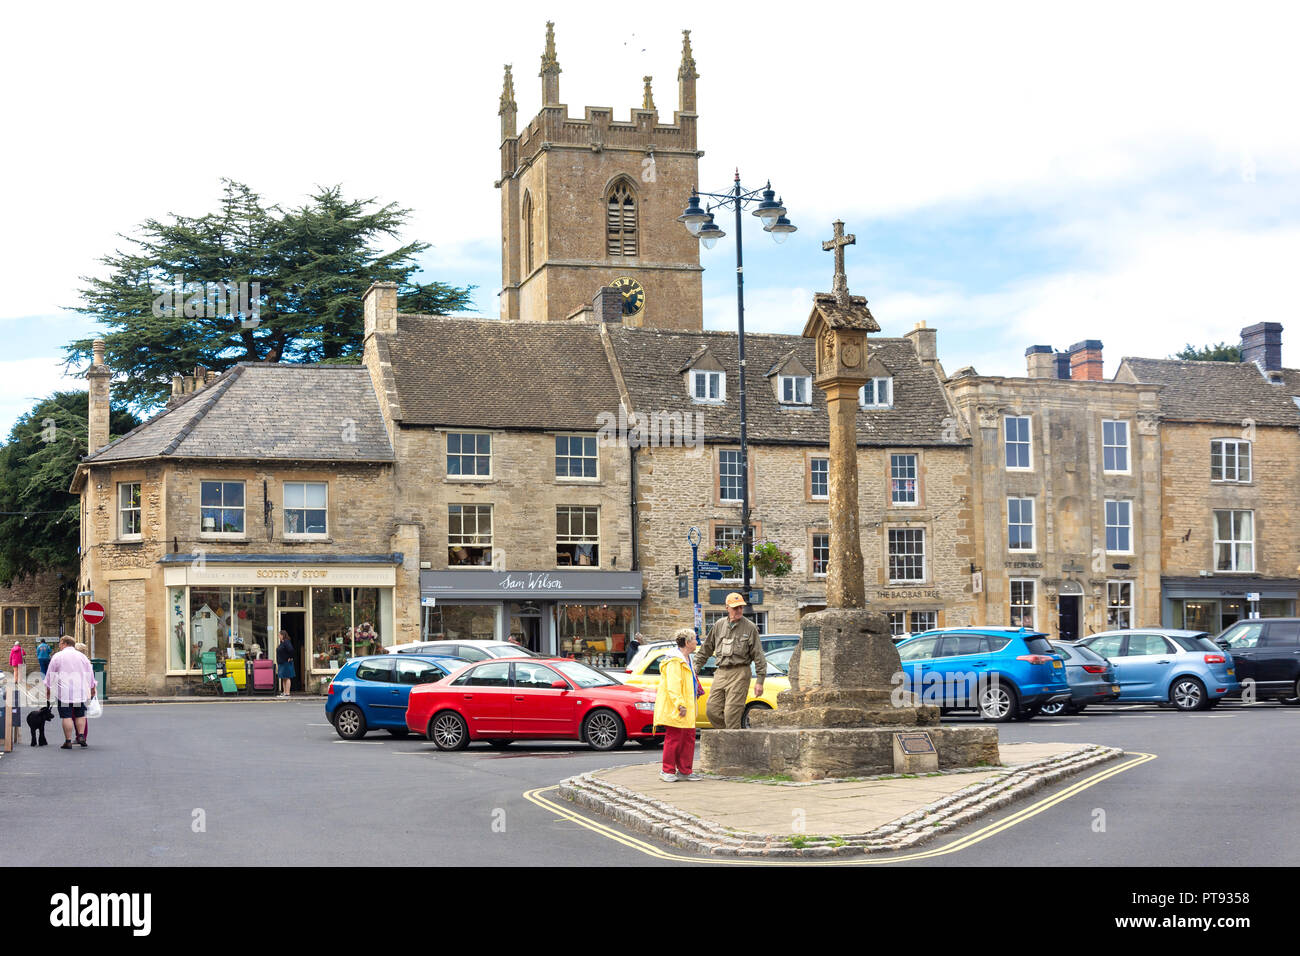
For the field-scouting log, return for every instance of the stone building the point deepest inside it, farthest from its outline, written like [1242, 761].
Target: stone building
[260, 499]
[1230, 470]
[30, 610]
[1067, 497]
[680, 389]
[591, 202]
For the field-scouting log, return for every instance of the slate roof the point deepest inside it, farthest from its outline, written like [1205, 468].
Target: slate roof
[650, 360]
[496, 374]
[266, 411]
[1218, 392]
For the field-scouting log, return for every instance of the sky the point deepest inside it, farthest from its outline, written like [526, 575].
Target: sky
[1015, 174]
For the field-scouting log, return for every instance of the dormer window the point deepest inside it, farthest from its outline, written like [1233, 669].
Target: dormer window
[877, 393]
[708, 386]
[795, 389]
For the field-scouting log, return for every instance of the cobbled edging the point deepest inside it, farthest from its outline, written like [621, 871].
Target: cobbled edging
[678, 828]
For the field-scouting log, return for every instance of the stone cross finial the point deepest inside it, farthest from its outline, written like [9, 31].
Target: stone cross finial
[648, 98]
[840, 287]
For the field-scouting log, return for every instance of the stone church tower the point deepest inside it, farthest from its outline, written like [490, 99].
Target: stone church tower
[593, 202]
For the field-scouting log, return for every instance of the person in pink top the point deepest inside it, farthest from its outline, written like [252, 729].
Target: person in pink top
[70, 680]
[16, 658]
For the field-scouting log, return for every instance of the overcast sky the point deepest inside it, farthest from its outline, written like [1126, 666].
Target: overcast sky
[1015, 175]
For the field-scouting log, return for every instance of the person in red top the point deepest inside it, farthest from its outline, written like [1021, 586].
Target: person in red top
[16, 658]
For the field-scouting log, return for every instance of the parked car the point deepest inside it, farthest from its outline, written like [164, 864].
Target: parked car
[780, 659]
[1091, 678]
[466, 650]
[1159, 665]
[370, 693]
[1004, 673]
[552, 698]
[774, 642]
[1267, 652]
[646, 674]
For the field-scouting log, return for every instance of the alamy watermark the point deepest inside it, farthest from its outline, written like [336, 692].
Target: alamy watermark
[210, 300]
[657, 429]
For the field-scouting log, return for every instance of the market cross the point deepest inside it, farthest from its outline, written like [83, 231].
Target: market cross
[840, 286]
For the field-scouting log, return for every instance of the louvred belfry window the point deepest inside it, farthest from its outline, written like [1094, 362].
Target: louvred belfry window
[620, 221]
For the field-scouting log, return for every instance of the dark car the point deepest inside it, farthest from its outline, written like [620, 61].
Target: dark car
[1266, 652]
[1091, 677]
[370, 693]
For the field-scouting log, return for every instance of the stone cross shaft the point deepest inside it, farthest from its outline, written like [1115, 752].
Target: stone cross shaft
[840, 287]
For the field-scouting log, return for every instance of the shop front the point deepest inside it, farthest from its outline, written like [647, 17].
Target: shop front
[589, 615]
[234, 607]
[1215, 602]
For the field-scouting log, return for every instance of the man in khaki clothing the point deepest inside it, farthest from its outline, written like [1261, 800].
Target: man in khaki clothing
[735, 642]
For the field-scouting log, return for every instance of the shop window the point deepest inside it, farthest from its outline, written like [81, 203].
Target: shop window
[348, 622]
[897, 623]
[923, 621]
[575, 456]
[577, 536]
[758, 617]
[595, 632]
[177, 649]
[305, 508]
[221, 507]
[128, 509]
[463, 622]
[469, 455]
[469, 535]
[22, 621]
[1119, 605]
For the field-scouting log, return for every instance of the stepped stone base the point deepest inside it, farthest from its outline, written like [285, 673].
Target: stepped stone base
[815, 753]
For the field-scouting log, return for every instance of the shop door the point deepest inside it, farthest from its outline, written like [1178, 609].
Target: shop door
[295, 623]
[1233, 611]
[526, 625]
[1067, 627]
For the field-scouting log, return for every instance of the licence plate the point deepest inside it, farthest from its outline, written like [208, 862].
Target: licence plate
[1231, 672]
[1114, 688]
[1057, 664]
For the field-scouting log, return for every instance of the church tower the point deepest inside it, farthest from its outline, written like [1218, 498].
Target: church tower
[593, 202]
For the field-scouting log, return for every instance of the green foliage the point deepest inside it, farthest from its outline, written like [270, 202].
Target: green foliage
[1223, 352]
[36, 468]
[312, 265]
[766, 557]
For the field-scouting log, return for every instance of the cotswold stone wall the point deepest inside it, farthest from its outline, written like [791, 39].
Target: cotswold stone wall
[40, 591]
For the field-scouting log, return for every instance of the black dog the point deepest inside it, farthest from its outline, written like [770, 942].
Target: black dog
[36, 721]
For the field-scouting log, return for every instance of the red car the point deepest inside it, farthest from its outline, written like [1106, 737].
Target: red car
[502, 701]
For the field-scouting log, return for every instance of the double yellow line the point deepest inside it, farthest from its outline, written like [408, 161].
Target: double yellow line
[565, 812]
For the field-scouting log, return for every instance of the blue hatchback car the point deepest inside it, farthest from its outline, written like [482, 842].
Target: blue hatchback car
[1003, 672]
[1158, 665]
[370, 693]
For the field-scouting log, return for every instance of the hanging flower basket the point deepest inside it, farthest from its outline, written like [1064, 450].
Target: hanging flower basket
[766, 557]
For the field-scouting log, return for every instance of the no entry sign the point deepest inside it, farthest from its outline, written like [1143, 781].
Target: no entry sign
[93, 613]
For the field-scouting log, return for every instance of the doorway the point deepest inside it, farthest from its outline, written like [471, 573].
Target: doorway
[1067, 626]
[526, 625]
[295, 624]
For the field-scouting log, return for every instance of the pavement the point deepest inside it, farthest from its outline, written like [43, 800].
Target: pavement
[771, 816]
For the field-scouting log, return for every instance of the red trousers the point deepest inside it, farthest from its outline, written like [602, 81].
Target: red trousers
[679, 749]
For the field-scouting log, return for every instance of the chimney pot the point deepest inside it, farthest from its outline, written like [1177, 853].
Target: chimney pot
[608, 305]
[98, 348]
[1085, 361]
[1040, 361]
[1261, 343]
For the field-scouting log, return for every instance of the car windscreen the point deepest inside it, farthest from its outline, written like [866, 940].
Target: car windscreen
[1194, 642]
[510, 650]
[582, 675]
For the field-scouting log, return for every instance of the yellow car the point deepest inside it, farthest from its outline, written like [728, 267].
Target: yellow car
[645, 673]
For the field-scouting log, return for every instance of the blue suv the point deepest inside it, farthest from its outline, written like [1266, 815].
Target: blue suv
[1003, 673]
[370, 693]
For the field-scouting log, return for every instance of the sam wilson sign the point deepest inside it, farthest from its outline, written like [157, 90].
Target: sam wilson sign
[603, 585]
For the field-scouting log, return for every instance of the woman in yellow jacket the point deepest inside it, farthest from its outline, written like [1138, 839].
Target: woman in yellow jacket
[675, 707]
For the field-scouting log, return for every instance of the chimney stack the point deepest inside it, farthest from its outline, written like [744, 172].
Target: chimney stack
[98, 376]
[925, 341]
[608, 305]
[1041, 361]
[1261, 343]
[380, 306]
[1085, 361]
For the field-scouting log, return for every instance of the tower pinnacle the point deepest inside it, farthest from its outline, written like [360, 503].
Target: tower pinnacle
[686, 76]
[550, 69]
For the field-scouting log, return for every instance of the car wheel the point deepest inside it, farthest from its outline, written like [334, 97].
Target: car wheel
[650, 743]
[399, 732]
[448, 731]
[499, 744]
[1292, 701]
[603, 730]
[744, 719]
[998, 703]
[1055, 708]
[350, 722]
[1188, 693]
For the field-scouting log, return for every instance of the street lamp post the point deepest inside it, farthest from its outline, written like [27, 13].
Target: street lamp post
[701, 225]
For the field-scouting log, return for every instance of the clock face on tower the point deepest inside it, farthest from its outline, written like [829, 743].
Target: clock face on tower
[633, 294]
